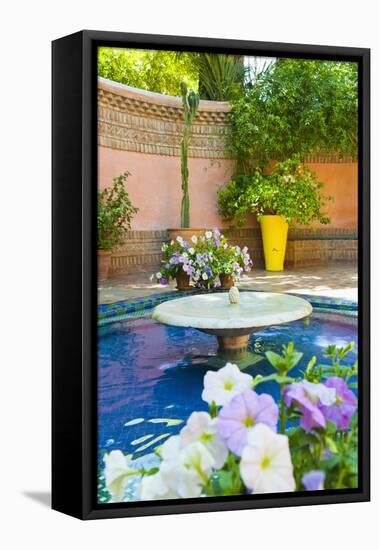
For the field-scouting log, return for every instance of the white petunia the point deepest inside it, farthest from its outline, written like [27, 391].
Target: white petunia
[327, 396]
[196, 466]
[208, 234]
[204, 276]
[194, 239]
[266, 465]
[220, 386]
[116, 474]
[191, 250]
[154, 487]
[185, 468]
[201, 427]
[179, 239]
[171, 448]
[159, 275]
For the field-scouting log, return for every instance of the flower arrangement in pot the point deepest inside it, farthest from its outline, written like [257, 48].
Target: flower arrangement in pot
[226, 262]
[249, 442]
[185, 260]
[208, 260]
[177, 263]
[233, 262]
[289, 194]
[115, 212]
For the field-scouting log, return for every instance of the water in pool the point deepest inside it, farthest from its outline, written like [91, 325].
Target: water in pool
[150, 376]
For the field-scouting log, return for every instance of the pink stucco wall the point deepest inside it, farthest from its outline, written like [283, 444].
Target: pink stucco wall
[341, 182]
[155, 188]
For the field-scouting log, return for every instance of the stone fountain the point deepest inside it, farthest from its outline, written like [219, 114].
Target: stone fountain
[232, 316]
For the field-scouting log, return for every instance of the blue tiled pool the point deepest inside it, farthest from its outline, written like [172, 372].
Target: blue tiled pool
[150, 375]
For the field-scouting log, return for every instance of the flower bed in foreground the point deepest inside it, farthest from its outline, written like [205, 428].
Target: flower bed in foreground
[249, 444]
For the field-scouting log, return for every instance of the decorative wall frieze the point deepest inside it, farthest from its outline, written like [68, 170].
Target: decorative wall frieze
[136, 120]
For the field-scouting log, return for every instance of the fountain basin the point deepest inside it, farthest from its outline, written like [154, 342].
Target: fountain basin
[232, 323]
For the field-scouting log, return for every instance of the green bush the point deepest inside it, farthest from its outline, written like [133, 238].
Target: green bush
[114, 214]
[153, 70]
[297, 106]
[291, 190]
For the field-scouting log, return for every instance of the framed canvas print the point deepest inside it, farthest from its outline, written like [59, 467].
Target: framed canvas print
[210, 274]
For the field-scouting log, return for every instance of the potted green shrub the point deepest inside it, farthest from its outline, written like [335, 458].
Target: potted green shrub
[289, 194]
[114, 214]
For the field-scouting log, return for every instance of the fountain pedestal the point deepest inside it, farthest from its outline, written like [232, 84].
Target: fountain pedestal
[237, 343]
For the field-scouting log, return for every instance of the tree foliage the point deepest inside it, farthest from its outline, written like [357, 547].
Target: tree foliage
[218, 77]
[221, 76]
[297, 106]
[153, 70]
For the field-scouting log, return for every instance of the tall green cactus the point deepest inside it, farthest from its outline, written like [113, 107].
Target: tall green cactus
[190, 106]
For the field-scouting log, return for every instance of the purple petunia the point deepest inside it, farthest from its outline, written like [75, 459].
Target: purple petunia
[345, 404]
[309, 398]
[313, 480]
[188, 269]
[241, 413]
[163, 281]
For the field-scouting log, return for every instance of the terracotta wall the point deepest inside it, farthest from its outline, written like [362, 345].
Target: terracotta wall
[140, 132]
[154, 187]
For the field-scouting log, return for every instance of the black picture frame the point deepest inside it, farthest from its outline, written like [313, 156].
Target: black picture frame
[74, 332]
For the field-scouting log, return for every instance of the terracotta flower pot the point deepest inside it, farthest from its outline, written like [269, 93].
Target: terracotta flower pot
[103, 264]
[226, 281]
[182, 281]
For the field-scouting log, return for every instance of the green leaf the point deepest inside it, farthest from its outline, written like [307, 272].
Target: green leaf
[331, 445]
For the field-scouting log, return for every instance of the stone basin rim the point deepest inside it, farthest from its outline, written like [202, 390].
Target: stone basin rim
[293, 309]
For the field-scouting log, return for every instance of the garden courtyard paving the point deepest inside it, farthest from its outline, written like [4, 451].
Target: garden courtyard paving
[337, 280]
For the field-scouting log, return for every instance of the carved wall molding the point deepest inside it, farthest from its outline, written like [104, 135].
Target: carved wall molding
[146, 122]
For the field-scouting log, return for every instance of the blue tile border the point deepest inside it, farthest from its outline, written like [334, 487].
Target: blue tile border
[125, 309]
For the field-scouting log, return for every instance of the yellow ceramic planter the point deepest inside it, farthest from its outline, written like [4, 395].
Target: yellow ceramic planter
[274, 235]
